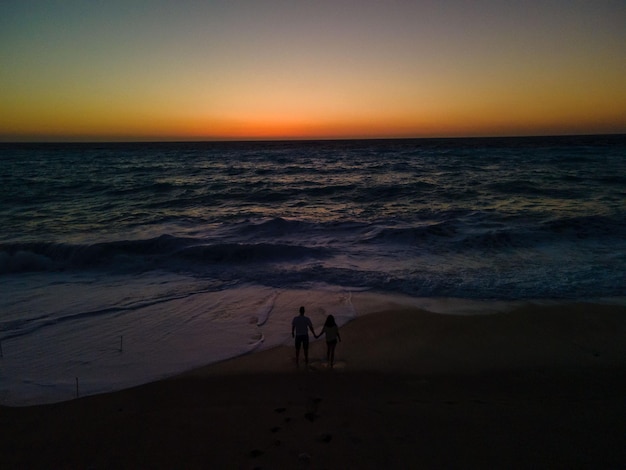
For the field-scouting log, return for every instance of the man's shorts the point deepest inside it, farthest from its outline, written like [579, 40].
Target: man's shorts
[302, 340]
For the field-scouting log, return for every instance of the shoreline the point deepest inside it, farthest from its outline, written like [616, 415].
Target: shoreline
[414, 341]
[43, 367]
[537, 386]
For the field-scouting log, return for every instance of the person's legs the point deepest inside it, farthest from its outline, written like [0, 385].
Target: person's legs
[305, 346]
[331, 353]
[298, 343]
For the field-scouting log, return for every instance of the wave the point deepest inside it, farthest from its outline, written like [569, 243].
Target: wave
[476, 231]
[248, 253]
[285, 240]
[45, 256]
[593, 226]
[535, 188]
[163, 252]
[484, 281]
[275, 227]
[280, 240]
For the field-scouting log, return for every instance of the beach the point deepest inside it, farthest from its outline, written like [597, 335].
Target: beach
[541, 386]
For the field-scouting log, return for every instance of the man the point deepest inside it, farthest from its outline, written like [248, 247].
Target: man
[300, 331]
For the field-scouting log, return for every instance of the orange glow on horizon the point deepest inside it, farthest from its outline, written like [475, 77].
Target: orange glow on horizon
[449, 121]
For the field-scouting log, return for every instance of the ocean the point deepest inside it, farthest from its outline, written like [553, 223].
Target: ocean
[122, 263]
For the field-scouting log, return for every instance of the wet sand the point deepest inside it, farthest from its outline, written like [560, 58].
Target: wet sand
[540, 387]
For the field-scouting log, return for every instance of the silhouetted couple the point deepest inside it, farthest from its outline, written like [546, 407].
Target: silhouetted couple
[300, 327]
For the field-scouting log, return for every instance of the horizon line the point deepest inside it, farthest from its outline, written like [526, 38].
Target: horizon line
[304, 139]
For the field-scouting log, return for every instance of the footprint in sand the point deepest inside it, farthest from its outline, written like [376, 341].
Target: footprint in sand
[312, 406]
[324, 438]
[256, 453]
[323, 365]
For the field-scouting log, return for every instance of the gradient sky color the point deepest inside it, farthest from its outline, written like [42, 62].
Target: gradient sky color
[235, 69]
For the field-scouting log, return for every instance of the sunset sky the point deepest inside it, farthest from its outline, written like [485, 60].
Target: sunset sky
[234, 69]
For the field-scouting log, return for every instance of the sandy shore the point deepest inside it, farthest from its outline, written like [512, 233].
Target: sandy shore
[540, 387]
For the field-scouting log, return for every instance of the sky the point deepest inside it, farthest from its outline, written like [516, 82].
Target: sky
[120, 70]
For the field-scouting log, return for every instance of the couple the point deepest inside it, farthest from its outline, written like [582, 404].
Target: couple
[300, 331]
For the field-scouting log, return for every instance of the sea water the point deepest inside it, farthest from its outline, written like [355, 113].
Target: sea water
[122, 263]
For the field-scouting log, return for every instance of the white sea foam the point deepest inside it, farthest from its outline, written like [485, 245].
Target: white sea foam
[143, 334]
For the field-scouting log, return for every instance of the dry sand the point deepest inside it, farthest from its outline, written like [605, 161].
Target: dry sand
[540, 387]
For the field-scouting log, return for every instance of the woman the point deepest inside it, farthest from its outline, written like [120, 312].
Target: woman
[332, 335]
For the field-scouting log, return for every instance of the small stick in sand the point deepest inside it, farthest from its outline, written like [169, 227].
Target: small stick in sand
[121, 343]
[77, 394]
